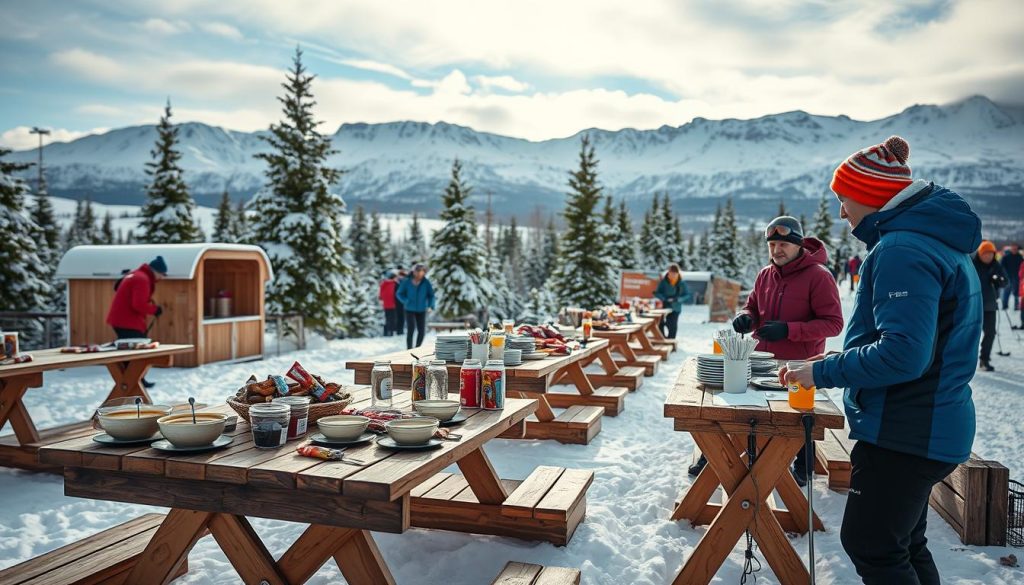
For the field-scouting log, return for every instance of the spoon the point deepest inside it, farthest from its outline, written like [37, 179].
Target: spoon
[192, 403]
[138, 407]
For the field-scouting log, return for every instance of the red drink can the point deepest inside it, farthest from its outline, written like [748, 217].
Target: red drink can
[469, 384]
[493, 379]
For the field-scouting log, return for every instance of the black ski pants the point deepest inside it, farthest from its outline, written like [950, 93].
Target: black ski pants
[886, 515]
[415, 320]
[988, 335]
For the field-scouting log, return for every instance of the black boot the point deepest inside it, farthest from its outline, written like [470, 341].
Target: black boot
[695, 469]
[984, 365]
[147, 384]
[800, 475]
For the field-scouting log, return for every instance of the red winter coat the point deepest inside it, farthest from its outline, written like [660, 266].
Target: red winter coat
[805, 296]
[1020, 280]
[133, 300]
[387, 293]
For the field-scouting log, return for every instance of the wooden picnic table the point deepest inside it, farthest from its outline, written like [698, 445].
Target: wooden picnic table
[630, 341]
[653, 328]
[532, 379]
[217, 490]
[126, 367]
[721, 433]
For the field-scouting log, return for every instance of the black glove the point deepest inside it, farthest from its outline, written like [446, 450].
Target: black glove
[159, 310]
[774, 331]
[743, 323]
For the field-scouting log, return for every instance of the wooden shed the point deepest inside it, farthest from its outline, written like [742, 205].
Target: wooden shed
[196, 273]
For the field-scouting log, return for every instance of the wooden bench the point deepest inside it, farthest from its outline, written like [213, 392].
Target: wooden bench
[973, 499]
[516, 573]
[97, 559]
[611, 398]
[832, 457]
[648, 362]
[547, 505]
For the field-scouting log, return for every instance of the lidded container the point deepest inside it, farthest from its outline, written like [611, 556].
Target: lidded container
[299, 414]
[381, 379]
[269, 423]
[437, 380]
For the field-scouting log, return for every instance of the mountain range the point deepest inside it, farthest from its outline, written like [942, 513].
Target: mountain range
[974, 146]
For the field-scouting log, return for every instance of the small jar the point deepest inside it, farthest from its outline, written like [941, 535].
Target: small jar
[437, 380]
[299, 414]
[269, 423]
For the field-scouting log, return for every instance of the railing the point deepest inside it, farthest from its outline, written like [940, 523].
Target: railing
[53, 334]
[296, 325]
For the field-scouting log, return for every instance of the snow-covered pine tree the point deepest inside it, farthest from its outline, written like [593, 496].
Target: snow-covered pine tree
[503, 301]
[673, 242]
[726, 249]
[843, 252]
[644, 239]
[240, 223]
[610, 239]
[624, 242]
[701, 261]
[378, 243]
[512, 256]
[540, 307]
[106, 233]
[24, 278]
[415, 249]
[296, 216]
[223, 228]
[455, 266]
[656, 246]
[359, 238]
[48, 237]
[822, 226]
[753, 259]
[782, 209]
[584, 275]
[82, 230]
[689, 257]
[360, 312]
[168, 214]
[543, 257]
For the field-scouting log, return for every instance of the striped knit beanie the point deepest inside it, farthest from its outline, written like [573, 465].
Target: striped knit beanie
[874, 175]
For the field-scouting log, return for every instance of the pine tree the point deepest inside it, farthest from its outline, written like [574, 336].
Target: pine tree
[610, 239]
[654, 240]
[359, 239]
[456, 269]
[702, 259]
[240, 225]
[82, 230]
[782, 208]
[624, 242]
[543, 258]
[512, 257]
[24, 277]
[223, 228]
[673, 243]
[48, 238]
[106, 234]
[295, 215]
[378, 243]
[754, 258]
[360, 311]
[584, 275]
[540, 306]
[168, 215]
[822, 228]
[690, 256]
[724, 244]
[415, 249]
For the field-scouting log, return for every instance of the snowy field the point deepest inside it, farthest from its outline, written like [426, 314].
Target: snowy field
[638, 460]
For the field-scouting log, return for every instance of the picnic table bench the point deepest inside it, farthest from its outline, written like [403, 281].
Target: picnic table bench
[216, 491]
[580, 421]
[126, 367]
[722, 432]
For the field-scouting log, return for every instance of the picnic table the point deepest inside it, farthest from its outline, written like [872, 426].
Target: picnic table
[630, 341]
[533, 379]
[722, 434]
[126, 367]
[653, 328]
[217, 491]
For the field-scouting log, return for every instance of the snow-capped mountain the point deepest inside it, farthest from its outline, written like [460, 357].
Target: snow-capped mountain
[974, 146]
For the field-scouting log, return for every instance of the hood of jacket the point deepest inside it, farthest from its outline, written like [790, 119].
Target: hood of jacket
[933, 211]
[812, 253]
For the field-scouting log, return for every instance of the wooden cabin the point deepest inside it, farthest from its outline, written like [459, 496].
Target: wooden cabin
[196, 274]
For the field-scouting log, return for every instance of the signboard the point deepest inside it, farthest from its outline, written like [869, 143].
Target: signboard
[638, 283]
[725, 295]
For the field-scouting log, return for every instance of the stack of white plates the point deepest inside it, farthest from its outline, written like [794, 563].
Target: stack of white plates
[451, 347]
[524, 343]
[711, 369]
[763, 363]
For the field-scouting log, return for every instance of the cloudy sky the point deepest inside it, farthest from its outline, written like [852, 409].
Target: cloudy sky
[535, 69]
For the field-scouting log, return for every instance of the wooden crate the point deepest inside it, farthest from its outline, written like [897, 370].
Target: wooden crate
[973, 500]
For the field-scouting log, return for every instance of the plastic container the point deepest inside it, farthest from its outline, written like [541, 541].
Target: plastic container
[269, 424]
[437, 380]
[299, 414]
[469, 384]
[492, 395]
[800, 398]
[734, 377]
[497, 346]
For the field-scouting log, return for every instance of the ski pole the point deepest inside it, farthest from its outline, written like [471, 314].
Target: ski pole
[808, 421]
[1016, 333]
[153, 322]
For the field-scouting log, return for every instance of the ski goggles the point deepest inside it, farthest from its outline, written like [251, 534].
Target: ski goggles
[780, 230]
[785, 229]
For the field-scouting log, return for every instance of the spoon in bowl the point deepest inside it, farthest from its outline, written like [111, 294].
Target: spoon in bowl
[138, 407]
[192, 403]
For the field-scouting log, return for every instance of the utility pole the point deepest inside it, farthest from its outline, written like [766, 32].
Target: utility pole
[41, 132]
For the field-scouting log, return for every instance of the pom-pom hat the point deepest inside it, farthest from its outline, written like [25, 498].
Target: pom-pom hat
[874, 175]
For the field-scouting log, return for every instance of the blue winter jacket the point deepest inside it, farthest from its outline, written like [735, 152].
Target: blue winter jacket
[678, 293]
[912, 342]
[416, 298]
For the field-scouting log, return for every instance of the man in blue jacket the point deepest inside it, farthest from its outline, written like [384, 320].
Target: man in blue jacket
[910, 353]
[417, 296]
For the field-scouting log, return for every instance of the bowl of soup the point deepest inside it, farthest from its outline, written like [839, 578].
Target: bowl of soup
[182, 432]
[130, 423]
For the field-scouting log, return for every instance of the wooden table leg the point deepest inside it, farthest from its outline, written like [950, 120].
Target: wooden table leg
[169, 547]
[482, 479]
[245, 550]
[13, 410]
[128, 377]
[621, 345]
[579, 379]
[314, 548]
[655, 328]
[543, 412]
[607, 361]
[753, 488]
[361, 563]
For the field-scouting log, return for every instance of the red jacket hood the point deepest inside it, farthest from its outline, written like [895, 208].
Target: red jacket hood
[813, 252]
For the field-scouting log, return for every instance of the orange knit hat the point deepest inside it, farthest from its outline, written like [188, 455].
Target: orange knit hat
[986, 246]
[874, 175]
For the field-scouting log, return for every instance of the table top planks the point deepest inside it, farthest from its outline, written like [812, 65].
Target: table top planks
[690, 400]
[52, 359]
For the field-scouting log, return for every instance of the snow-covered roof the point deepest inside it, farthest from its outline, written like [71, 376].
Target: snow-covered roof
[696, 276]
[103, 262]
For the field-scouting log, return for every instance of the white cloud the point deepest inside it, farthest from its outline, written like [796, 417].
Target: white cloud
[166, 27]
[505, 82]
[89, 65]
[223, 30]
[20, 138]
[375, 66]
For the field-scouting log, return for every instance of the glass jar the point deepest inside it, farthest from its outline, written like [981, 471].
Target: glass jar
[269, 423]
[299, 414]
[381, 378]
[437, 380]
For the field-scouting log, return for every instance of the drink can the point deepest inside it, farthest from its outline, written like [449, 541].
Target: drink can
[419, 380]
[494, 385]
[469, 384]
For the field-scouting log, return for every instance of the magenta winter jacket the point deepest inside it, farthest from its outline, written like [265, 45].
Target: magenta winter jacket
[804, 295]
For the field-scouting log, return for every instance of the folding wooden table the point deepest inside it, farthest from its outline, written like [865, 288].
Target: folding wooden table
[722, 433]
[126, 367]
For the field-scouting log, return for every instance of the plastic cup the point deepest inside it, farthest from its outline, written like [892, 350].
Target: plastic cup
[508, 325]
[800, 397]
[716, 348]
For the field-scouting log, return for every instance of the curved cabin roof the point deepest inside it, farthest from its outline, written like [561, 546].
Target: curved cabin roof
[107, 262]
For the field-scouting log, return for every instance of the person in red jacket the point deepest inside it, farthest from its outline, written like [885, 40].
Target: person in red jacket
[387, 299]
[853, 268]
[794, 306]
[133, 301]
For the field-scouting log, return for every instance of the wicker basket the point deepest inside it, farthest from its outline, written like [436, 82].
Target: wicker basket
[317, 410]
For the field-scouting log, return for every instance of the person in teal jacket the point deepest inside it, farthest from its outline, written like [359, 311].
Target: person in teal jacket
[416, 294]
[673, 293]
[909, 356]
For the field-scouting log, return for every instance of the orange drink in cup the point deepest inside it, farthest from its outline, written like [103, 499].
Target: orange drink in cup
[588, 327]
[716, 347]
[800, 396]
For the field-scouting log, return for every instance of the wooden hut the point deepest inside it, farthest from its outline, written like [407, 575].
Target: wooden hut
[196, 274]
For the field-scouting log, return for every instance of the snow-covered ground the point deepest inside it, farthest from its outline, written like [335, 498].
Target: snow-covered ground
[638, 460]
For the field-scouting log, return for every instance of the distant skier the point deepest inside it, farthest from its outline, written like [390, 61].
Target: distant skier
[673, 293]
[992, 277]
[853, 269]
[388, 287]
[1012, 262]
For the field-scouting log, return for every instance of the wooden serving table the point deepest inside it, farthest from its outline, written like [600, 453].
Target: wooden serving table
[533, 379]
[126, 367]
[215, 491]
[722, 433]
[630, 341]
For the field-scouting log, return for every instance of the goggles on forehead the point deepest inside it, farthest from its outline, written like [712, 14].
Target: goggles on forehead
[782, 230]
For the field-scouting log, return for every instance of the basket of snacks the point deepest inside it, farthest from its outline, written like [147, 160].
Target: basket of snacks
[327, 398]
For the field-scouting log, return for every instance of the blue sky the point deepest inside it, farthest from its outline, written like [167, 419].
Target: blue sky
[529, 68]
